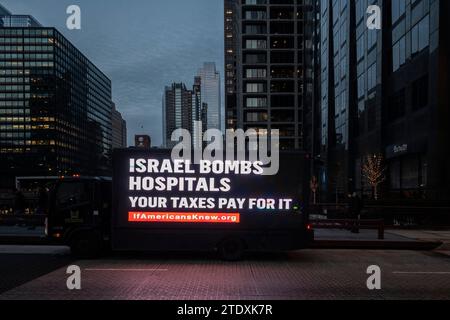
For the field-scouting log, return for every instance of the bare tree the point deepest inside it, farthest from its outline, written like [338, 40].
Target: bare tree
[374, 172]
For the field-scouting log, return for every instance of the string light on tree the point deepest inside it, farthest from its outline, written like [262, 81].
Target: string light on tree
[374, 172]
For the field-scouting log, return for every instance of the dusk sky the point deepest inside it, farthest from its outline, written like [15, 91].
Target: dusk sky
[141, 45]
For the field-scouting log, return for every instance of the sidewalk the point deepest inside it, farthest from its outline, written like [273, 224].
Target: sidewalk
[394, 239]
[425, 235]
[428, 235]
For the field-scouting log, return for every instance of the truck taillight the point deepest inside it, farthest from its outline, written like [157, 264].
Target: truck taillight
[309, 227]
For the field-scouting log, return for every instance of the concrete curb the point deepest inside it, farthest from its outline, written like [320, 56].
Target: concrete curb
[376, 245]
[317, 244]
[21, 240]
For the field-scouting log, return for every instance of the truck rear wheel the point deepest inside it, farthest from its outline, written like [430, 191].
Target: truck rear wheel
[232, 249]
[86, 245]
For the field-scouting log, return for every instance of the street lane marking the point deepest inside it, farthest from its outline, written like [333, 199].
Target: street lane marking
[421, 273]
[126, 270]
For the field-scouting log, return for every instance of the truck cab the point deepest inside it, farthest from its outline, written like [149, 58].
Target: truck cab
[79, 214]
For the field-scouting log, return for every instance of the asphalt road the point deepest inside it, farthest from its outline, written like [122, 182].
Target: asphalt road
[309, 274]
[21, 264]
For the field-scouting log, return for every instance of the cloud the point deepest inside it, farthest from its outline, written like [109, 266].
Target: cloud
[141, 45]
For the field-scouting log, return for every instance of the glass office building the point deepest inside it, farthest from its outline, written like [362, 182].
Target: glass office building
[177, 111]
[386, 92]
[210, 89]
[185, 109]
[350, 79]
[415, 126]
[7, 19]
[55, 107]
[118, 130]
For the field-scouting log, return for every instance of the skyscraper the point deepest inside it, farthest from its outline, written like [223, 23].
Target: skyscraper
[119, 130]
[184, 109]
[386, 92]
[337, 89]
[55, 105]
[268, 66]
[231, 54]
[199, 114]
[177, 111]
[7, 19]
[210, 88]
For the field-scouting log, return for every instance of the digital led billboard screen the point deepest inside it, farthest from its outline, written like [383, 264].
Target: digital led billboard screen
[151, 188]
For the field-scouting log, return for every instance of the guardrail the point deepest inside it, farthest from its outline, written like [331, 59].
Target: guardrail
[331, 210]
[351, 224]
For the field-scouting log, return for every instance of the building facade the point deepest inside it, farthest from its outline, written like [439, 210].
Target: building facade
[385, 92]
[142, 141]
[177, 111]
[55, 107]
[211, 94]
[7, 19]
[269, 69]
[199, 114]
[185, 109]
[231, 9]
[336, 107]
[118, 130]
